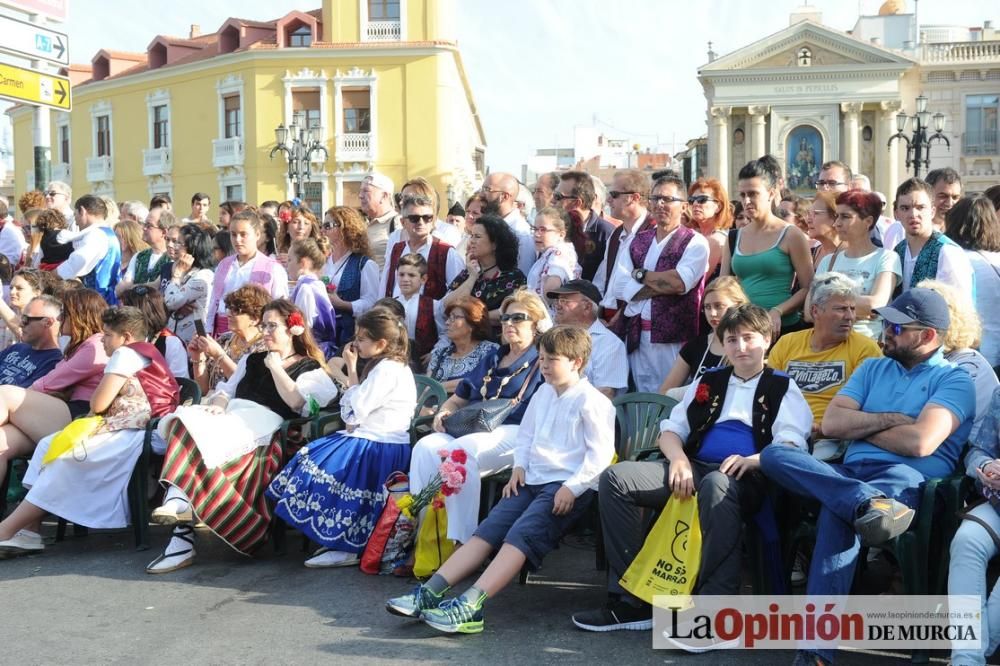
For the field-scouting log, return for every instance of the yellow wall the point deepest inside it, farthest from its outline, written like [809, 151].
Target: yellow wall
[342, 20]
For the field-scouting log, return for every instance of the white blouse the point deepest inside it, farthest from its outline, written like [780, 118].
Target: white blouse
[314, 384]
[381, 406]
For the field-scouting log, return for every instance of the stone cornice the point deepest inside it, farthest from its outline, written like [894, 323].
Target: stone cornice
[802, 75]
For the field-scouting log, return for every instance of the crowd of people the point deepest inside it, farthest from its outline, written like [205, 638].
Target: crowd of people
[833, 346]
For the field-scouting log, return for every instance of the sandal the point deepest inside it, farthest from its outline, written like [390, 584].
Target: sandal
[167, 515]
[169, 560]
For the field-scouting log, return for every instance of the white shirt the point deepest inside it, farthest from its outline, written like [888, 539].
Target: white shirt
[557, 261]
[893, 234]
[89, 247]
[130, 269]
[126, 362]
[12, 242]
[453, 265]
[411, 306]
[195, 287]
[953, 268]
[986, 266]
[176, 356]
[793, 424]
[382, 405]
[620, 273]
[525, 240]
[369, 282]
[608, 365]
[691, 267]
[568, 438]
[446, 233]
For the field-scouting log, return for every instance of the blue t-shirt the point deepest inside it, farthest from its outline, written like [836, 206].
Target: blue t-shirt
[507, 381]
[20, 365]
[883, 385]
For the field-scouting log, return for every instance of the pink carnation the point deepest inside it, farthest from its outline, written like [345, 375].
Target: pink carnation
[442, 453]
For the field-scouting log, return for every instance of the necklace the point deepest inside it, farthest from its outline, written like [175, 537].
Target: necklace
[750, 378]
[484, 271]
[503, 382]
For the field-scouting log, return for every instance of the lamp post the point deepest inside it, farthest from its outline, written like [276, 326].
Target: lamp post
[298, 144]
[918, 146]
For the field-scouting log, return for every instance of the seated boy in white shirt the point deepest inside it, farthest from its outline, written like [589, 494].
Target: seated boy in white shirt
[565, 441]
[424, 316]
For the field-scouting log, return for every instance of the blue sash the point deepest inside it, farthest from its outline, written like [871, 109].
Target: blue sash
[104, 278]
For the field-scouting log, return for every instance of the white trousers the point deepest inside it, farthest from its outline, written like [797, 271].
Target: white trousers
[489, 453]
[651, 363]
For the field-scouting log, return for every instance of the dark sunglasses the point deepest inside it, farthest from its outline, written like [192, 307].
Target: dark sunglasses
[700, 199]
[559, 196]
[418, 219]
[614, 194]
[326, 226]
[515, 318]
[897, 329]
[25, 319]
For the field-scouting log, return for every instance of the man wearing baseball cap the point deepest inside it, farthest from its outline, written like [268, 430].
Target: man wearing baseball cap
[907, 416]
[577, 303]
[377, 204]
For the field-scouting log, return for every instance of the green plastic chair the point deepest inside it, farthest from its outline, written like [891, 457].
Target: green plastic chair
[638, 417]
[430, 395]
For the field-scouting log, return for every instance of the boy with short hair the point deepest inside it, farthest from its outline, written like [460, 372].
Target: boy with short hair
[424, 315]
[565, 441]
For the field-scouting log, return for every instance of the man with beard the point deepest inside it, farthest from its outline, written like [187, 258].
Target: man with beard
[907, 416]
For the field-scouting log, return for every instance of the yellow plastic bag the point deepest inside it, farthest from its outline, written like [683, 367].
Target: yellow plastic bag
[433, 545]
[66, 439]
[671, 556]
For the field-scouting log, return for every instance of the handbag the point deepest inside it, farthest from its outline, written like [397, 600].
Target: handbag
[433, 545]
[488, 414]
[392, 538]
[669, 560]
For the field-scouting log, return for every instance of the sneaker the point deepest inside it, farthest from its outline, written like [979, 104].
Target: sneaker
[615, 616]
[799, 568]
[414, 603]
[22, 543]
[884, 519]
[329, 559]
[682, 637]
[455, 616]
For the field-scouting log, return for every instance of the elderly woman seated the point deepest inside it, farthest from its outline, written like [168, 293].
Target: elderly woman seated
[467, 326]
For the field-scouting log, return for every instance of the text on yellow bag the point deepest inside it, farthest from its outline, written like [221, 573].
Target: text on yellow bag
[669, 560]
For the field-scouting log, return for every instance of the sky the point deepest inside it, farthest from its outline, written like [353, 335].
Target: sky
[538, 68]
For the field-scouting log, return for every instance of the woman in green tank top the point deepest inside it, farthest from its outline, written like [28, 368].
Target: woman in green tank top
[769, 253]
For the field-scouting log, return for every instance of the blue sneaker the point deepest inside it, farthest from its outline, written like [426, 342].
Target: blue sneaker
[456, 616]
[414, 603]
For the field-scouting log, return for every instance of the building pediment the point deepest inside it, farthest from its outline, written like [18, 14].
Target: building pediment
[803, 46]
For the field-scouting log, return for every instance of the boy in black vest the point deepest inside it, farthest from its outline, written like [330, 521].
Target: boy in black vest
[712, 443]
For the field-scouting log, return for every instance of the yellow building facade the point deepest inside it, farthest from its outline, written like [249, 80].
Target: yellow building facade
[380, 83]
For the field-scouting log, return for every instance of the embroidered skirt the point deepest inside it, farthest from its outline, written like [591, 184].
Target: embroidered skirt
[333, 489]
[228, 499]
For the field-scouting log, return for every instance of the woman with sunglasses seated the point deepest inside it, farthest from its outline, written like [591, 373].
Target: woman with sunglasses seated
[502, 373]
[351, 275]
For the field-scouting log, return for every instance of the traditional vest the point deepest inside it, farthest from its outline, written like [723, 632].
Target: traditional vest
[262, 273]
[349, 289]
[702, 415]
[926, 265]
[156, 380]
[104, 277]
[426, 328]
[675, 318]
[436, 285]
[144, 272]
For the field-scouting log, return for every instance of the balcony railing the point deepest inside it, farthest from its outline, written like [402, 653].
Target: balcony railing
[100, 169]
[60, 171]
[961, 52]
[156, 162]
[980, 143]
[227, 152]
[383, 31]
[354, 147]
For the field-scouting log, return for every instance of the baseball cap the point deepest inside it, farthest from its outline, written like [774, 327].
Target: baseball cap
[381, 181]
[920, 306]
[584, 287]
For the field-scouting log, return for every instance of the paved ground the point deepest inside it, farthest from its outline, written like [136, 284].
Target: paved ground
[88, 601]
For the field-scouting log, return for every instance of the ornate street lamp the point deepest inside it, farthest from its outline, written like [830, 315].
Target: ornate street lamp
[298, 145]
[918, 146]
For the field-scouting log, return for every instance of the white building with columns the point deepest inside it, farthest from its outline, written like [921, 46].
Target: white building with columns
[810, 93]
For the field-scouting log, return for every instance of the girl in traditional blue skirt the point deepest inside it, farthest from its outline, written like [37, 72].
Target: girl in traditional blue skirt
[332, 490]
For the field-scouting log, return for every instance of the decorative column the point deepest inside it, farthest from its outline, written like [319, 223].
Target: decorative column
[887, 160]
[758, 131]
[719, 159]
[852, 134]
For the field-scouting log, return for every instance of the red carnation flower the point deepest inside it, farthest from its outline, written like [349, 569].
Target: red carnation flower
[701, 393]
[295, 319]
[459, 456]
[448, 491]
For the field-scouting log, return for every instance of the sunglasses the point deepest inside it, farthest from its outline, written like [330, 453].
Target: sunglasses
[419, 219]
[559, 196]
[25, 319]
[326, 226]
[701, 199]
[515, 318]
[897, 329]
[614, 194]
[52, 193]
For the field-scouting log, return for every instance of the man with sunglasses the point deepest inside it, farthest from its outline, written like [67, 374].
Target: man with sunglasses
[58, 196]
[907, 416]
[576, 193]
[443, 262]
[24, 363]
[500, 191]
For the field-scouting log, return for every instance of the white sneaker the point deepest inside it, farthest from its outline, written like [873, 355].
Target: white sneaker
[22, 543]
[333, 558]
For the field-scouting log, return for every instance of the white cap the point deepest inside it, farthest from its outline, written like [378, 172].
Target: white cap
[381, 181]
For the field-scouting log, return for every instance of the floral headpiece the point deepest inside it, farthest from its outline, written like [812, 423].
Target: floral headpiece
[296, 325]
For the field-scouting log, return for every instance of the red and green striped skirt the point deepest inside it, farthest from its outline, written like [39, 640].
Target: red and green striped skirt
[228, 499]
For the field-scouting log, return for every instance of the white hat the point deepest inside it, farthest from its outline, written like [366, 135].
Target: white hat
[381, 181]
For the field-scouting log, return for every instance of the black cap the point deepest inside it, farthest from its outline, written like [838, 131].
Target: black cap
[921, 306]
[457, 209]
[584, 287]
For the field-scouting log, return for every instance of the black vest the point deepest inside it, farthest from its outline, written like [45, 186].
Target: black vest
[767, 399]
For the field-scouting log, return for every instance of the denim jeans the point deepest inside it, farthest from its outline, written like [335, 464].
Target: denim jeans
[971, 550]
[840, 489]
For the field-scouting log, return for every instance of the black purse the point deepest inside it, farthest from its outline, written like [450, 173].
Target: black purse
[488, 414]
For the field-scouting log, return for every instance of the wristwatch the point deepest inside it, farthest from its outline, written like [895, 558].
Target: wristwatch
[639, 274]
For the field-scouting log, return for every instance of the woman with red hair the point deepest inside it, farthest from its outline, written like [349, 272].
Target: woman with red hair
[710, 213]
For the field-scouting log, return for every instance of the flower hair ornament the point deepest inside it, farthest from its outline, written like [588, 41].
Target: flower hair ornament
[296, 325]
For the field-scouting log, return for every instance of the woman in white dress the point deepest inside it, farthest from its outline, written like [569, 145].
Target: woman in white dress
[87, 483]
[557, 261]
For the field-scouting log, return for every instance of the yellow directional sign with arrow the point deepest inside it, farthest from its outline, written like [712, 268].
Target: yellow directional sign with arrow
[27, 85]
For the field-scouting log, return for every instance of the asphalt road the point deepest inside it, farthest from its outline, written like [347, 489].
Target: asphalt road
[88, 601]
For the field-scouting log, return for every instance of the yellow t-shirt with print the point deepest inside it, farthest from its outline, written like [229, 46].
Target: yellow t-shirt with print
[819, 375]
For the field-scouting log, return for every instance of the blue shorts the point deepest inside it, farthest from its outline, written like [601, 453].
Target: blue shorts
[526, 521]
